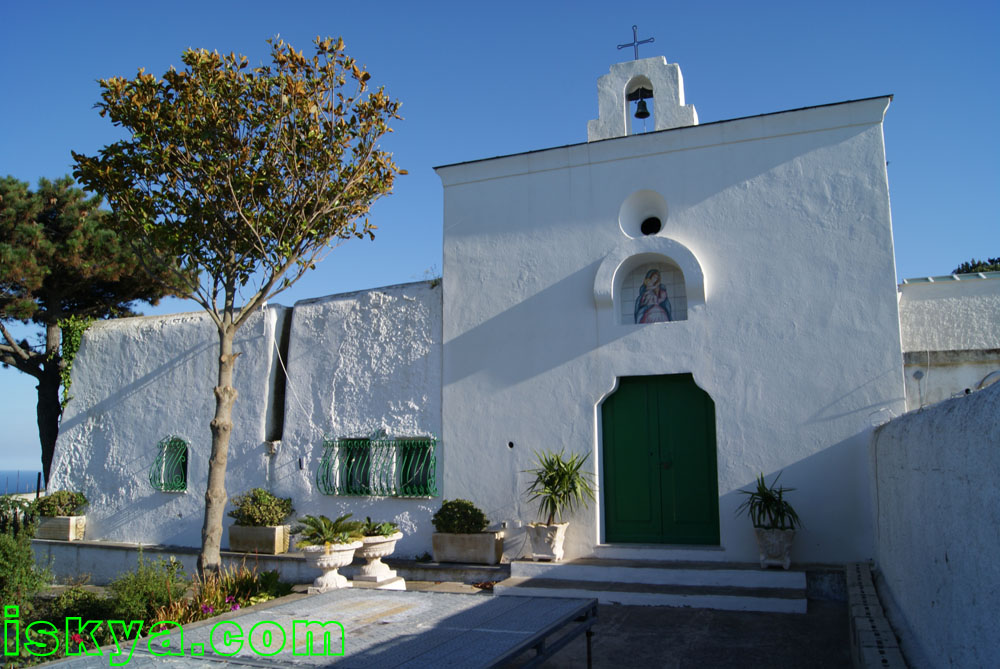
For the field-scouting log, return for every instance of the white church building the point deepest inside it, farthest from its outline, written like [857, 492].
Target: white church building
[687, 307]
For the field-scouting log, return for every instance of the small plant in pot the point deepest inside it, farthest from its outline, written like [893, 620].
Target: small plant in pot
[774, 521]
[61, 516]
[560, 487]
[461, 535]
[260, 523]
[379, 541]
[329, 545]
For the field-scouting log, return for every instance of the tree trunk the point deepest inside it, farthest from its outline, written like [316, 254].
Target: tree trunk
[48, 408]
[222, 427]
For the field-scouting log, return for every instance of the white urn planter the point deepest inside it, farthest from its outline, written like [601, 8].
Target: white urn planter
[547, 540]
[330, 559]
[373, 549]
[775, 547]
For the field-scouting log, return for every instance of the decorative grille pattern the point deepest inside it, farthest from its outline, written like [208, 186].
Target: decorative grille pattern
[169, 470]
[378, 467]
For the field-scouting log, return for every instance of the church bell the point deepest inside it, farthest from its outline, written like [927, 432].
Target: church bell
[640, 110]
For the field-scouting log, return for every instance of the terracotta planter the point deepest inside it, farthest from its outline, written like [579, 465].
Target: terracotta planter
[264, 540]
[330, 559]
[373, 549]
[479, 548]
[547, 540]
[775, 547]
[61, 528]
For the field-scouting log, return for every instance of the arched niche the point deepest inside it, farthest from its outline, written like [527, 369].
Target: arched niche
[652, 292]
[638, 87]
[633, 259]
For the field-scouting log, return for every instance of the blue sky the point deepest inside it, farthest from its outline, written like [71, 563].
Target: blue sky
[483, 79]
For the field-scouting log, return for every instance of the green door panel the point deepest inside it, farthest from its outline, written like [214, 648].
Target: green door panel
[659, 451]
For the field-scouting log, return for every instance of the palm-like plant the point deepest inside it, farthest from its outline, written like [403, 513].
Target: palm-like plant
[559, 485]
[767, 507]
[321, 531]
[371, 528]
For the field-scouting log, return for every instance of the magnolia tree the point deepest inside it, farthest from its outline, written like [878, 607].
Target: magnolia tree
[247, 175]
[61, 265]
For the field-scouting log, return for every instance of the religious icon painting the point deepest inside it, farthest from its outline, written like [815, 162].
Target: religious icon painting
[654, 293]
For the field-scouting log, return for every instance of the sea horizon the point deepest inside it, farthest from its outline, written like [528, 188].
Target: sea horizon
[18, 480]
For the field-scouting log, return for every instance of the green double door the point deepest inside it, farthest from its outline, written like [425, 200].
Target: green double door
[660, 476]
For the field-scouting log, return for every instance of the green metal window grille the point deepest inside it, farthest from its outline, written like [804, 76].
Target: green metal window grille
[169, 470]
[378, 467]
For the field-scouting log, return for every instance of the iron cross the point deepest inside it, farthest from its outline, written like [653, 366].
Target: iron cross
[635, 42]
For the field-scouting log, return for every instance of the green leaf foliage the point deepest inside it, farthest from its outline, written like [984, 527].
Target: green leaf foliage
[320, 530]
[62, 256]
[559, 485]
[136, 595]
[63, 262]
[20, 579]
[16, 516]
[767, 507]
[247, 173]
[60, 503]
[459, 516]
[373, 528]
[973, 266]
[260, 508]
[72, 336]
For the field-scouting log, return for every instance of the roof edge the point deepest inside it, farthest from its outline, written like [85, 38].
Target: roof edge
[657, 132]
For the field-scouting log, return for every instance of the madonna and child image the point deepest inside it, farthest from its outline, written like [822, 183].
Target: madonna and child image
[652, 305]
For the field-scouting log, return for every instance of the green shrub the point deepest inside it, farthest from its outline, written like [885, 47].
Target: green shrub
[459, 516]
[20, 579]
[230, 589]
[16, 516]
[372, 528]
[559, 485]
[321, 531]
[259, 508]
[136, 595]
[767, 507]
[60, 503]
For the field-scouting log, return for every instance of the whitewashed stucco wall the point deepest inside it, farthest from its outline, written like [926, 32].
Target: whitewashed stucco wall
[797, 339]
[950, 330]
[950, 315]
[137, 380]
[938, 510]
[357, 364]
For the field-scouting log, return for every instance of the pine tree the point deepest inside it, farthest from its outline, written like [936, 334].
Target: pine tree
[973, 266]
[61, 265]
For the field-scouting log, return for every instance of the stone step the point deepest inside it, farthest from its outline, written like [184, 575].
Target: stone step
[722, 574]
[728, 598]
[661, 552]
[713, 584]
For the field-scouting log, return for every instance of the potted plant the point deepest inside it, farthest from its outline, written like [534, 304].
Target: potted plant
[329, 545]
[378, 542]
[560, 487]
[460, 535]
[774, 521]
[259, 526]
[61, 516]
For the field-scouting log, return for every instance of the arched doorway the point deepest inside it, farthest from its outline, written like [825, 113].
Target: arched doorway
[659, 457]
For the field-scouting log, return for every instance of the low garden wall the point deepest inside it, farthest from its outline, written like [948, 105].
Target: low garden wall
[937, 503]
[100, 562]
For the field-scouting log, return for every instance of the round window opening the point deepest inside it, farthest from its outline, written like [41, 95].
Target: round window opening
[650, 226]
